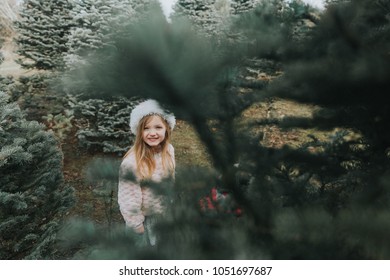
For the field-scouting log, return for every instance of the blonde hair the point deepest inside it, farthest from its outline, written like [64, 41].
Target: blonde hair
[144, 155]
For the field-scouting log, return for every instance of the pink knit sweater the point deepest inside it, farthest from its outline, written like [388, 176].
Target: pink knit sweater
[136, 202]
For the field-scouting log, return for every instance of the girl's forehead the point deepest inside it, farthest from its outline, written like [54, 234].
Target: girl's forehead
[154, 119]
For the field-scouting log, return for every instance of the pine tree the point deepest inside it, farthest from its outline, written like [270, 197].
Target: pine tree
[94, 24]
[241, 6]
[142, 6]
[33, 194]
[332, 2]
[43, 31]
[203, 16]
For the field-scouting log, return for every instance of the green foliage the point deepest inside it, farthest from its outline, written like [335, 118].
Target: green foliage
[202, 15]
[94, 23]
[343, 66]
[33, 195]
[60, 124]
[43, 31]
[102, 174]
[103, 125]
[6, 84]
[242, 6]
[40, 101]
[350, 43]
[36, 96]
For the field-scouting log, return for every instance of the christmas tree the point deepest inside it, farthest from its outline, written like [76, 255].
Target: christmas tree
[43, 31]
[202, 15]
[33, 195]
[94, 23]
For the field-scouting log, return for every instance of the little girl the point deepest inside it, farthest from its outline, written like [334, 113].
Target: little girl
[151, 158]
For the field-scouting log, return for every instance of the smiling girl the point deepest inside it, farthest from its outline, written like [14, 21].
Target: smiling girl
[151, 158]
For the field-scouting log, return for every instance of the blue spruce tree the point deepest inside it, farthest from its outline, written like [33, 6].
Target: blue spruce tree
[33, 196]
[43, 31]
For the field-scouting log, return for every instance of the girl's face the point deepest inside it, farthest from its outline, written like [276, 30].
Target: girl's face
[154, 131]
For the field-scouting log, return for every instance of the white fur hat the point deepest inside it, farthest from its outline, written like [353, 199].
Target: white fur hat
[146, 108]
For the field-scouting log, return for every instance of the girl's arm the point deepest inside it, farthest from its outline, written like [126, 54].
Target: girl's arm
[130, 196]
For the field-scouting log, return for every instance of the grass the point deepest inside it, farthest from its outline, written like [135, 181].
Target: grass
[189, 150]
[274, 136]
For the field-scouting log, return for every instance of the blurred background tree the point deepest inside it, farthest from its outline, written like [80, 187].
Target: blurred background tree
[33, 195]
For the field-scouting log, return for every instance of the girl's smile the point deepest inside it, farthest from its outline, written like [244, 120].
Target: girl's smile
[154, 131]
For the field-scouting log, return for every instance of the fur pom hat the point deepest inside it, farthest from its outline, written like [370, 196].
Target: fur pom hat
[147, 108]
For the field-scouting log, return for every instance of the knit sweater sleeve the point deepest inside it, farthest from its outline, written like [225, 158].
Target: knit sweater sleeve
[130, 194]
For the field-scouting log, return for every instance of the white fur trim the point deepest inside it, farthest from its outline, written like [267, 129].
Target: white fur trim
[146, 108]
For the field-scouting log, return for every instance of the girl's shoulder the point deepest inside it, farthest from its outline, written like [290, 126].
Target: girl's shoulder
[128, 168]
[129, 161]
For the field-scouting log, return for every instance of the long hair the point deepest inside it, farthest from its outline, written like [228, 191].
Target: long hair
[144, 155]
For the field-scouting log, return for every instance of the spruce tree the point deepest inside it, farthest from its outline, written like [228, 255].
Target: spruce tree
[241, 6]
[142, 6]
[94, 24]
[43, 31]
[33, 195]
[202, 15]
